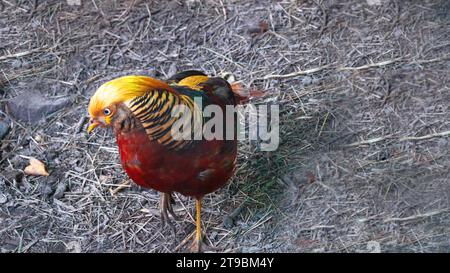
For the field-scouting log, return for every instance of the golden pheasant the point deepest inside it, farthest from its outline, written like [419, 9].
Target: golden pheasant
[141, 112]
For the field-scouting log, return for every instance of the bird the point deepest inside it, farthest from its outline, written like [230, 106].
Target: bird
[140, 110]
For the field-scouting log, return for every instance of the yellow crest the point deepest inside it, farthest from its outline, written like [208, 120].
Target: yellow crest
[123, 89]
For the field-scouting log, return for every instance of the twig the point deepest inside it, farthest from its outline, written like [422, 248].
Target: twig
[223, 56]
[80, 124]
[93, 78]
[23, 53]
[433, 60]
[346, 68]
[180, 245]
[295, 74]
[368, 141]
[441, 134]
[142, 17]
[378, 139]
[318, 227]
[26, 73]
[25, 249]
[230, 218]
[224, 10]
[383, 63]
[323, 124]
[110, 52]
[119, 188]
[414, 217]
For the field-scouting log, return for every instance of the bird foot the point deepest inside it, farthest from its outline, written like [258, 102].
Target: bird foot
[199, 246]
[165, 206]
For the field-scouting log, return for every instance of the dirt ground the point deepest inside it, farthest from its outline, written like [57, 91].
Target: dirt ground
[364, 92]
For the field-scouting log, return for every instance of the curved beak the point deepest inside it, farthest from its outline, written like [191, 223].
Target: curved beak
[93, 123]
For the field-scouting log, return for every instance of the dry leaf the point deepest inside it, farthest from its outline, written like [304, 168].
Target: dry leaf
[36, 167]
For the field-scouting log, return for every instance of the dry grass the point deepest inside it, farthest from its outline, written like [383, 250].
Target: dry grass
[364, 94]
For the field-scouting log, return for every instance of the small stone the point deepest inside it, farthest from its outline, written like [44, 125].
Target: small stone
[32, 106]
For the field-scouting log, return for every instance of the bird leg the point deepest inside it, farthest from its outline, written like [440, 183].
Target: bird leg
[197, 244]
[198, 240]
[165, 206]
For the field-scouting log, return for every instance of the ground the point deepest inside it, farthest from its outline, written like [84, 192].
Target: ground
[363, 89]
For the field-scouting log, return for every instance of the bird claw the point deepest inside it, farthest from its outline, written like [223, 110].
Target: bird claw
[199, 246]
[196, 246]
[170, 201]
[166, 206]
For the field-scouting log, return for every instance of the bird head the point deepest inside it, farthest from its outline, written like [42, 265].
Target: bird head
[105, 102]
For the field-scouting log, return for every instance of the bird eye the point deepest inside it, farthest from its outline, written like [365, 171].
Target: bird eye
[107, 111]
